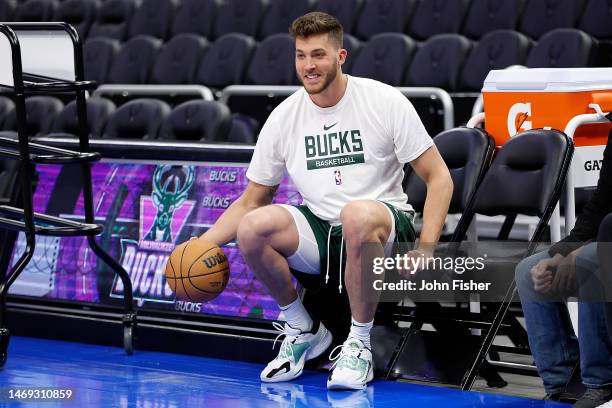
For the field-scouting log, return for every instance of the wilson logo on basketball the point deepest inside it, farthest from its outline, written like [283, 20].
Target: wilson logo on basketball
[215, 260]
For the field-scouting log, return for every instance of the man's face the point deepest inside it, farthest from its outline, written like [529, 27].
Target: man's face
[317, 62]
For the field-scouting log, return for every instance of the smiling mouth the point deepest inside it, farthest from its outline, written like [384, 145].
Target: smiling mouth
[312, 77]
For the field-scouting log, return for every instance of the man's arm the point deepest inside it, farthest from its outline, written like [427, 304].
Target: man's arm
[254, 196]
[430, 167]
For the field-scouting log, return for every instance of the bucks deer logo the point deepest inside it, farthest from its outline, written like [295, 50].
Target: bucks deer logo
[171, 185]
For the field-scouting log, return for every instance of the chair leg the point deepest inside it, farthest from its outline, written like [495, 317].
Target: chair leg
[470, 376]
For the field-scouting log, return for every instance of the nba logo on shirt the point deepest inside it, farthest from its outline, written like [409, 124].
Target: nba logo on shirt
[338, 177]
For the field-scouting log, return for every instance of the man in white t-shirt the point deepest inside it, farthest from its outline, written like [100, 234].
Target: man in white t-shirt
[343, 141]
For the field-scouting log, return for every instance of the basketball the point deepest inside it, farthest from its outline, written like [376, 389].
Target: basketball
[197, 271]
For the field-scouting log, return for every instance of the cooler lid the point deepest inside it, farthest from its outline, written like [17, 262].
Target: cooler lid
[548, 80]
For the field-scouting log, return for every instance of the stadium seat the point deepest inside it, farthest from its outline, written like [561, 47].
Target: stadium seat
[273, 62]
[346, 11]
[280, 14]
[436, 17]
[385, 58]
[36, 10]
[137, 119]
[239, 16]
[197, 120]
[133, 63]
[379, 16]
[242, 130]
[484, 16]
[498, 49]
[40, 113]
[98, 56]
[113, 18]
[562, 48]
[596, 19]
[78, 13]
[6, 106]
[152, 17]
[98, 112]
[7, 10]
[194, 16]
[178, 60]
[225, 61]
[541, 17]
[353, 47]
[438, 62]
[9, 171]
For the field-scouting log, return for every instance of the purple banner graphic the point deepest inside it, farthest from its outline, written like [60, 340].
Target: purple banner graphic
[146, 210]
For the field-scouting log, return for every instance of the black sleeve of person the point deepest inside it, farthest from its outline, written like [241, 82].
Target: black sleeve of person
[594, 211]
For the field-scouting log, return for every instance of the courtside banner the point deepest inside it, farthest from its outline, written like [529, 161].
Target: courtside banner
[146, 210]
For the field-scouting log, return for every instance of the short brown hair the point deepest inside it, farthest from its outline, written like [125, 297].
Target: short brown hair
[317, 23]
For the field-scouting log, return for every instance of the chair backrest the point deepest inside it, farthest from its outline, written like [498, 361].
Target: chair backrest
[484, 16]
[195, 17]
[242, 130]
[6, 107]
[132, 65]
[98, 56]
[380, 16]
[385, 58]
[498, 49]
[239, 16]
[40, 113]
[36, 10]
[98, 112]
[7, 9]
[273, 62]
[78, 13]
[178, 60]
[467, 153]
[225, 61]
[596, 19]
[541, 16]
[113, 19]
[433, 17]
[197, 120]
[353, 47]
[346, 11]
[525, 177]
[438, 62]
[137, 119]
[562, 48]
[9, 171]
[280, 14]
[152, 17]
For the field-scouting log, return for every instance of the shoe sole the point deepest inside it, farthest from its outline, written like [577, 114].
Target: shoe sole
[337, 386]
[309, 355]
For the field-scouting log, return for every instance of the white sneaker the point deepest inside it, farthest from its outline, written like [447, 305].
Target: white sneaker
[295, 350]
[352, 369]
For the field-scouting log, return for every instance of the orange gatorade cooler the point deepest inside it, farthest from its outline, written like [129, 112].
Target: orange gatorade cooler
[522, 99]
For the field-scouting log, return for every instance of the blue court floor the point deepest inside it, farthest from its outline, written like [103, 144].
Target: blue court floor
[105, 377]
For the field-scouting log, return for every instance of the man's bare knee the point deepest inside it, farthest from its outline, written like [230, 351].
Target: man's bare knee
[269, 225]
[365, 221]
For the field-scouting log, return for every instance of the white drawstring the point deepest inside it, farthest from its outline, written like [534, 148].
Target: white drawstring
[327, 268]
[351, 353]
[340, 268]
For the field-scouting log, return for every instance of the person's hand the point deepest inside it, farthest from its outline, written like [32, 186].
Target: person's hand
[417, 260]
[542, 273]
[564, 280]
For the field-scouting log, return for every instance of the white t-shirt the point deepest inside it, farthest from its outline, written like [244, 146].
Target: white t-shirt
[354, 150]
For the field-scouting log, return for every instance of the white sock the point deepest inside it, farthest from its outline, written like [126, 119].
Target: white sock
[361, 331]
[297, 316]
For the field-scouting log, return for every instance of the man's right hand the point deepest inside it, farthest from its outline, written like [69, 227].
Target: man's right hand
[542, 273]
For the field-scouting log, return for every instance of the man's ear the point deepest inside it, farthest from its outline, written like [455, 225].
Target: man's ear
[342, 53]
